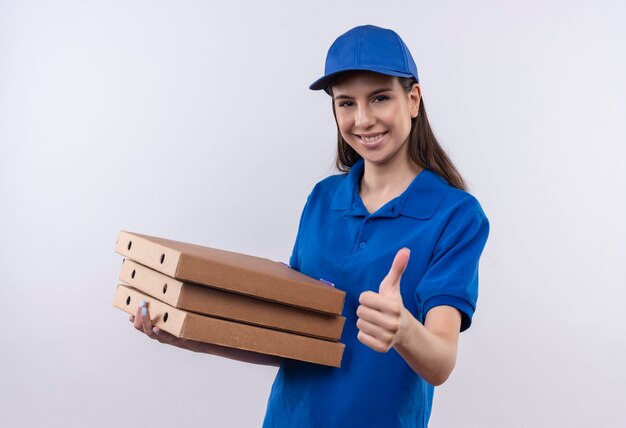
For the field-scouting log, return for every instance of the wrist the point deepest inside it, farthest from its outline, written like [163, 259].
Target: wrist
[408, 327]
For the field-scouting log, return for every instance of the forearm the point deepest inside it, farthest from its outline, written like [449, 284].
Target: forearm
[430, 354]
[233, 354]
[143, 323]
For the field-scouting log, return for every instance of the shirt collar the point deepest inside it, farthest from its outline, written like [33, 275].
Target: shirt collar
[419, 200]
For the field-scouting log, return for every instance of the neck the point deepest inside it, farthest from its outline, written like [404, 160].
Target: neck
[390, 178]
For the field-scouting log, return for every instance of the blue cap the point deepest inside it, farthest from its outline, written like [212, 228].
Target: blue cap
[367, 47]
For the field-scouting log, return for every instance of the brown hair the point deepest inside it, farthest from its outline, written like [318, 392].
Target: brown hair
[424, 148]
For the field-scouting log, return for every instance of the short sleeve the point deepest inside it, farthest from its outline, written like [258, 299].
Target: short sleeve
[451, 277]
[294, 262]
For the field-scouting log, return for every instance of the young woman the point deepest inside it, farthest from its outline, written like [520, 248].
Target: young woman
[397, 231]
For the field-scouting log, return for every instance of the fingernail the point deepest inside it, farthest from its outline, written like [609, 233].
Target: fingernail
[144, 312]
[155, 330]
[327, 282]
[142, 303]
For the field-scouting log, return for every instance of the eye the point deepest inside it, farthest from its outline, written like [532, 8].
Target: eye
[345, 103]
[381, 98]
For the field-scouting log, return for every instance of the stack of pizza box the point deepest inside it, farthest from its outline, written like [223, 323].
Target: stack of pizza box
[231, 299]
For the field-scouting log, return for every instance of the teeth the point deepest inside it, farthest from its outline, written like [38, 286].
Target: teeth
[373, 138]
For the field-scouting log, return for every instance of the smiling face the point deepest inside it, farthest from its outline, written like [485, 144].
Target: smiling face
[374, 115]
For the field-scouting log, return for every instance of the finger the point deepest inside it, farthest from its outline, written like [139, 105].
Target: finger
[380, 302]
[400, 261]
[372, 342]
[137, 318]
[146, 322]
[391, 282]
[384, 320]
[374, 330]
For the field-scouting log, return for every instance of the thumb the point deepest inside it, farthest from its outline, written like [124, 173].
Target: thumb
[391, 283]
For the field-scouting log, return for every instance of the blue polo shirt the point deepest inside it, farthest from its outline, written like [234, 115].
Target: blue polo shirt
[340, 241]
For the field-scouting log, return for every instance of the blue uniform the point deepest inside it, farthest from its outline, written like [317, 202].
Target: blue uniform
[340, 241]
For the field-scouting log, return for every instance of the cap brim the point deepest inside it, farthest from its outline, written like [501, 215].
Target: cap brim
[323, 82]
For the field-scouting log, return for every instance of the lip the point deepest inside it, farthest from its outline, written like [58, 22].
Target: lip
[373, 143]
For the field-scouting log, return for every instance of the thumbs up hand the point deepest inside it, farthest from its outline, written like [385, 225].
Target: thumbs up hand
[383, 319]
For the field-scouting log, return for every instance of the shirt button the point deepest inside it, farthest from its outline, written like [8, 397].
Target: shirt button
[362, 244]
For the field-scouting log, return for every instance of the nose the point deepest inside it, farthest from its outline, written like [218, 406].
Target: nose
[364, 118]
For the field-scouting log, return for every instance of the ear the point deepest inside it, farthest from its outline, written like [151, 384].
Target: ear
[415, 97]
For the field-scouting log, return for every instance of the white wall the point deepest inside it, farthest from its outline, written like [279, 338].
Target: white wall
[194, 121]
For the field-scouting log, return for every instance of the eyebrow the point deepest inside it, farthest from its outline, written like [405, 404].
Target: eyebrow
[376, 92]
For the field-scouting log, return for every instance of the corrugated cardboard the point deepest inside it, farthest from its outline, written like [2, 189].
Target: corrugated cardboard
[235, 272]
[231, 334]
[236, 307]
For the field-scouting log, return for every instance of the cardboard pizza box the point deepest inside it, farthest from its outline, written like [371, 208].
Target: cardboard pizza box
[236, 307]
[231, 334]
[230, 271]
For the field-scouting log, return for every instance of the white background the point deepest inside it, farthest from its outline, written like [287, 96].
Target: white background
[194, 121]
